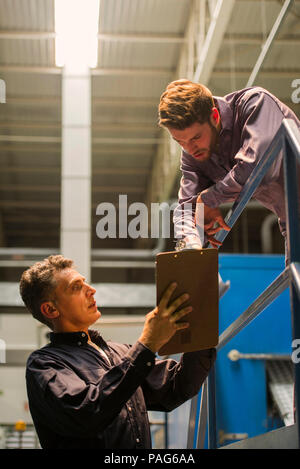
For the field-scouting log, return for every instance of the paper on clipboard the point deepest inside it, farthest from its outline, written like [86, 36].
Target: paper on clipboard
[196, 272]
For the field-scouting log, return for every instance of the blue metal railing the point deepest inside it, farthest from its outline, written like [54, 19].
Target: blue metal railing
[288, 140]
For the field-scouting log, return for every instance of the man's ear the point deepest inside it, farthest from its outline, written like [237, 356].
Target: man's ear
[215, 117]
[49, 310]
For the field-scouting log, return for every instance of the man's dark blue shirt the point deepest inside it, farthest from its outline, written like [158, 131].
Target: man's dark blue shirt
[79, 399]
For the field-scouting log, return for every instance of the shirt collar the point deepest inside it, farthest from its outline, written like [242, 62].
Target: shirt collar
[76, 338]
[226, 113]
[69, 338]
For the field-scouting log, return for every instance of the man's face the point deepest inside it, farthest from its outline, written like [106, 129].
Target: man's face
[74, 300]
[198, 140]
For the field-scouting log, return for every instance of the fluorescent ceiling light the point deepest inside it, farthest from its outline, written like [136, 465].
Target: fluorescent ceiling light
[76, 27]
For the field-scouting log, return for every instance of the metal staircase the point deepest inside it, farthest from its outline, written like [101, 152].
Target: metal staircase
[283, 383]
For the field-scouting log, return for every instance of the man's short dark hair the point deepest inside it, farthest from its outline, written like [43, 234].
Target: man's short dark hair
[183, 103]
[38, 283]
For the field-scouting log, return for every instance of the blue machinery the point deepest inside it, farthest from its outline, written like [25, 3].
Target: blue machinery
[288, 140]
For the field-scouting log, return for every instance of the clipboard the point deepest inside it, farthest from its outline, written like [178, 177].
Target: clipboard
[196, 272]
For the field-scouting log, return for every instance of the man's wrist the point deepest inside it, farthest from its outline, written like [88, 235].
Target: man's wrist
[189, 242]
[148, 344]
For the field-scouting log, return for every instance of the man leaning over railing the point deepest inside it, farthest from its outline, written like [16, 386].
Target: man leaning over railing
[222, 140]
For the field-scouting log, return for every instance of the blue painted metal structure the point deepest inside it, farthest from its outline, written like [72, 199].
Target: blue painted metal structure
[288, 140]
[241, 386]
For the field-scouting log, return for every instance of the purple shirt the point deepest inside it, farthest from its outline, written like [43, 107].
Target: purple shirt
[250, 119]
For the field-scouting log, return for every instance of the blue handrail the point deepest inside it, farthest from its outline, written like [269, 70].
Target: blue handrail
[287, 139]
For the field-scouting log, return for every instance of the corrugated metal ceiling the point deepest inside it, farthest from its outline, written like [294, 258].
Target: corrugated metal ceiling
[144, 16]
[124, 96]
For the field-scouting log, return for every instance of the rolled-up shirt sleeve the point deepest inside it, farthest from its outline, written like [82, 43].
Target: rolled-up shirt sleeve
[260, 118]
[191, 184]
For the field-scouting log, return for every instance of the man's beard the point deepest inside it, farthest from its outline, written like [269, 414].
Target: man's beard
[214, 144]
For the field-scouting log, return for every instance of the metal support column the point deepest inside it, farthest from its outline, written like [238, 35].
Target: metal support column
[267, 46]
[212, 413]
[76, 168]
[221, 14]
[293, 246]
[202, 423]
[192, 421]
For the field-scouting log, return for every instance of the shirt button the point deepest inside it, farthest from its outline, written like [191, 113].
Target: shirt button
[78, 343]
[137, 440]
[149, 363]
[83, 334]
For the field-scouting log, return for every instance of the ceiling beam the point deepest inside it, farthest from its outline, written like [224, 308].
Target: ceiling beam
[57, 170]
[29, 204]
[118, 190]
[30, 170]
[274, 73]
[29, 218]
[56, 189]
[96, 101]
[126, 141]
[258, 39]
[33, 100]
[29, 139]
[97, 152]
[29, 149]
[142, 38]
[46, 205]
[125, 127]
[134, 72]
[30, 125]
[96, 140]
[214, 37]
[29, 233]
[119, 171]
[131, 102]
[15, 34]
[29, 188]
[111, 37]
[107, 126]
[30, 69]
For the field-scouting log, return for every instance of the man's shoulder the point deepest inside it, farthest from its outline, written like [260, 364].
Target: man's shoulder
[41, 355]
[246, 93]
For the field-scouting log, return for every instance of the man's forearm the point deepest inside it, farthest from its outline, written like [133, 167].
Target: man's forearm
[183, 381]
[185, 227]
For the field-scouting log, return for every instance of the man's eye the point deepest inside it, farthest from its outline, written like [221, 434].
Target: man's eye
[76, 287]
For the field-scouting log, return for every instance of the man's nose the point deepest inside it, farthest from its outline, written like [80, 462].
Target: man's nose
[90, 290]
[190, 147]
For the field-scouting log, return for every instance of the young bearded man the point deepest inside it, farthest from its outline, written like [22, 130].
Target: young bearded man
[86, 393]
[222, 140]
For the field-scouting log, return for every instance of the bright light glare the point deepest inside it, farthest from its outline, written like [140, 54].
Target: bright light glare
[76, 27]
